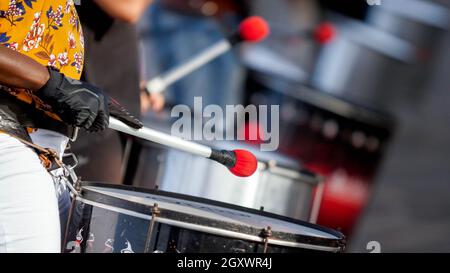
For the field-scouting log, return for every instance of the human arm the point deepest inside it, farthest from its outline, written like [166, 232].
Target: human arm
[20, 71]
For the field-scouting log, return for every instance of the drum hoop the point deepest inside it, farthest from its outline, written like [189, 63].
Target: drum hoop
[210, 230]
[278, 235]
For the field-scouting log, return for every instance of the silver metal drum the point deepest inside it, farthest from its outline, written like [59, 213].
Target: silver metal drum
[279, 186]
[421, 22]
[368, 66]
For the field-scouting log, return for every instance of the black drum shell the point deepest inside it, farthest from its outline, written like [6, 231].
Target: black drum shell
[97, 229]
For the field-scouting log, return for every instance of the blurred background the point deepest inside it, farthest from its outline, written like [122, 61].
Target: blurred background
[363, 89]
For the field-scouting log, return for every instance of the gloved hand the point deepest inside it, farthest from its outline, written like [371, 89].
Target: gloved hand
[77, 103]
[118, 111]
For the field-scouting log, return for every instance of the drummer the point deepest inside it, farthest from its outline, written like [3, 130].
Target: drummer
[41, 103]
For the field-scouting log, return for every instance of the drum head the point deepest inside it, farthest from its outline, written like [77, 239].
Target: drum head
[212, 217]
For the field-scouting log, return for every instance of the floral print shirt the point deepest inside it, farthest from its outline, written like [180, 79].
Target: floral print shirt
[47, 31]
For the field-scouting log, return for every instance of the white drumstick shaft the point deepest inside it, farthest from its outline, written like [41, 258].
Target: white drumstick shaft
[160, 83]
[161, 138]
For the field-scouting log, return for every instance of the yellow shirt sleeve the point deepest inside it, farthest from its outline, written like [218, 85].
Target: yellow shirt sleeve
[48, 31]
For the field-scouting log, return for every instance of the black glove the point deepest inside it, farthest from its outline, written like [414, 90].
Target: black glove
[118, 111]
[77, 103]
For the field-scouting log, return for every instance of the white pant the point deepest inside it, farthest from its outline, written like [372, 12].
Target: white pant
[29, 218]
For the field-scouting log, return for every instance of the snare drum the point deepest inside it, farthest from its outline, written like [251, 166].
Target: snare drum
[124, 219]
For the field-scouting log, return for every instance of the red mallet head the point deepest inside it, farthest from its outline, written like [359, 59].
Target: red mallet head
[254, 29]
[324, 33]
[245, 165]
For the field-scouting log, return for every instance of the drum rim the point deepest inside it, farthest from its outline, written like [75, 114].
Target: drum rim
[279, 238]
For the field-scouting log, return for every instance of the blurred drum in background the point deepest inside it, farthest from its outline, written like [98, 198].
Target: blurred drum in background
[291, 47]
[121, 219]
[379, 56]
[279, 186]
[369, 66]
[421, 22]
[383, 54]
[335, 138]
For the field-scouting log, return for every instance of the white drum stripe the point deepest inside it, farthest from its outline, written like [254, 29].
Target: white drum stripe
[115, 209]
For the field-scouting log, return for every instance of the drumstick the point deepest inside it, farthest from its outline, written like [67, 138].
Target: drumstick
[252, 29]
[240, 162]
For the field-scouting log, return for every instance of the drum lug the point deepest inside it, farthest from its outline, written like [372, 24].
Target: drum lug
[265, 234]
[155, 212]
[75, 189]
